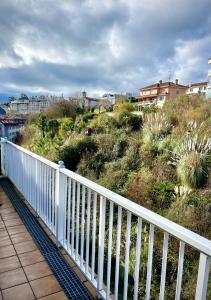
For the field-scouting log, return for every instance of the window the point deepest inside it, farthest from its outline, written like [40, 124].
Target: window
[177, 92]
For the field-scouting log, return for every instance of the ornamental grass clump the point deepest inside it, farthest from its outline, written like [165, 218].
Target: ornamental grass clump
[155, 126]
[192, 159]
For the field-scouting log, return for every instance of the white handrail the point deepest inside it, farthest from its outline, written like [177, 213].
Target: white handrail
[56, 193]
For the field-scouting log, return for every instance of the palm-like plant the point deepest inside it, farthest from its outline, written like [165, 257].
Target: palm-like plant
[192, 159]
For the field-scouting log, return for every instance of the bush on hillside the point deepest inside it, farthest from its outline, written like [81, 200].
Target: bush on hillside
[193, 158]
[61, 109]
[72, 153]
[125, 106]
[103, 124]
[126, 119]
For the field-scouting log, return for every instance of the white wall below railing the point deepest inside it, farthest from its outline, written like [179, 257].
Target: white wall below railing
[85, 217]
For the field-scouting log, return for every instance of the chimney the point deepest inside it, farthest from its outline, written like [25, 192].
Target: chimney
[160, 81]
[176, 81]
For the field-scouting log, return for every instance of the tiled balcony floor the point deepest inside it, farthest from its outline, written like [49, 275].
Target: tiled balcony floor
[24, 273]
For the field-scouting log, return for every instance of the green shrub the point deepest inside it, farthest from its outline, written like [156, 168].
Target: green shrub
[155, 126]
[125, 106]
[162, 195]
[103, 124]
[139, 185]
[126, 119]
[73, 152]
[193, 161]
[66, 126]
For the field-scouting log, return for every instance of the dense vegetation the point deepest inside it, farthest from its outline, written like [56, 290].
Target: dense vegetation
[160, 160]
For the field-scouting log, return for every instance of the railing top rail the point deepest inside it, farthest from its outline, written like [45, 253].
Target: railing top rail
[36, 156]
[195, 240]
[181, 233]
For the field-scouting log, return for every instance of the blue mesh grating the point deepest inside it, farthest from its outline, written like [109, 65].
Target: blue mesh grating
[71, 284]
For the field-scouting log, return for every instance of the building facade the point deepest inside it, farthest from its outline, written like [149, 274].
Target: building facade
[10, 126]
[116, 98]
[159, 92]
[25, 105]
[208, 95]
[197, 88]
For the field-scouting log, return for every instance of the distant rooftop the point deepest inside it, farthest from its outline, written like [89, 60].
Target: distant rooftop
[162, 85]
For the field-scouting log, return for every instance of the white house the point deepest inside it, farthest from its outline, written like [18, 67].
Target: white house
[197, 88]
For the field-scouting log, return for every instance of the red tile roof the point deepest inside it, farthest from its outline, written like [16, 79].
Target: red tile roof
[162, 85]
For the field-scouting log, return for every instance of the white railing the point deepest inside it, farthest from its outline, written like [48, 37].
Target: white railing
[88, 220]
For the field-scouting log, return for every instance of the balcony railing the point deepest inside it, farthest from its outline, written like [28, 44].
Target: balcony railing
[88, 220]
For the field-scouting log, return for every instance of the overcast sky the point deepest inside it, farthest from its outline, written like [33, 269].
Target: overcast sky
[65, 46]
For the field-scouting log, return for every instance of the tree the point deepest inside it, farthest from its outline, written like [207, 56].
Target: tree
[53, 126]
[62, 109]
[42, 124]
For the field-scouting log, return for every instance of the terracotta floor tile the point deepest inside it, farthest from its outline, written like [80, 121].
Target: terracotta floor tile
[30, 258]
[7, 251]
[11, 216]
[7, 211]
[45, 286]
[12, 222]
[5, 241]
[19, 292]
[9, 263]
[3, 233]
[56, 296]
[17, 229]
[20, 237]
[6, 205]
[25, 247]
[38, 270]
[12, 278]
[2, 225]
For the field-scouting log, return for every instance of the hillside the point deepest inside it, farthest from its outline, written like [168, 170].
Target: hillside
[161, 160]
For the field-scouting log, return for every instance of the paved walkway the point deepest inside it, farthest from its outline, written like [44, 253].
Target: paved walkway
[24, 273]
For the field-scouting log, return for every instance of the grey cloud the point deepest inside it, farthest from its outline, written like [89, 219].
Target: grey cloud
[101, 45]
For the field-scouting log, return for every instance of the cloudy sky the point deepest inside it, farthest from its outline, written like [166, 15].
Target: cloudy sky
[65, 46]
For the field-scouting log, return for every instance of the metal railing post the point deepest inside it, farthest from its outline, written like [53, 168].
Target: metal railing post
[3, 156]
[60, 195]
[203, 276]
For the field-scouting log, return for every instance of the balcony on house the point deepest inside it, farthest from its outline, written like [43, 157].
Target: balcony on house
[112, 241]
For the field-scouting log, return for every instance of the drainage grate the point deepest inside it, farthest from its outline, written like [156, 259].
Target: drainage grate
[71, 284]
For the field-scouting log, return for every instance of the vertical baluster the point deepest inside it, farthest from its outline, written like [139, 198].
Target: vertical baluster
[94, 234]
[180, 270]
[73, 220]
[65, 211]
[137, 261]
[88, 231]
[119, 225]
[53, 202]
[50, 198]
[203, 276]
[82, 226]
[41, 189]
[149, 261]
[77, 219]
[46, 194]
[127, 253]
[68, 213]
[109, 249]
[164, 265]
[101, 243]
